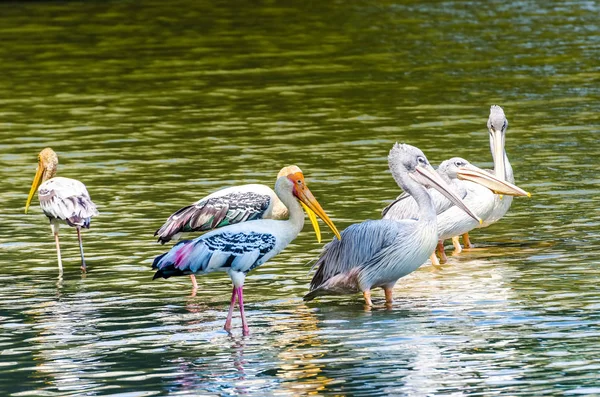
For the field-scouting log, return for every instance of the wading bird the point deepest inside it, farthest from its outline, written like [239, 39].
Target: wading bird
[63, 200]
[237, 249]
[376, 253]
[497, 125]
[225, 207]
[473, 185]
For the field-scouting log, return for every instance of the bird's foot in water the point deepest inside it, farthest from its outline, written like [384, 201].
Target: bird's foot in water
[456, 244]
[441, 252]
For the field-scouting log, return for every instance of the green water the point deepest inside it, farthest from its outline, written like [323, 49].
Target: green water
[155, 104]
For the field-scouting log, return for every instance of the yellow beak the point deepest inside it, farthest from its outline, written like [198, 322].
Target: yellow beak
[37, 181]
[313, 219]
[310, 204]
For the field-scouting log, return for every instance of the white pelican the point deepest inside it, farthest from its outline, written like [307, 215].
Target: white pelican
[63, 200]
[225, 207]
[497, 125]
[237, 249]
[473, 185]
[376, 253]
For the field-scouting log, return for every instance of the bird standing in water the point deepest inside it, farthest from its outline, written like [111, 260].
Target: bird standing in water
[240, 248]
[473, 185]
[226, 207]
[63, 200]
[377, 253]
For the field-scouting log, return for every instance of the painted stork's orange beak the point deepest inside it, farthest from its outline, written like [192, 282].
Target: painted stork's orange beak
[310, 204]
[37, 181]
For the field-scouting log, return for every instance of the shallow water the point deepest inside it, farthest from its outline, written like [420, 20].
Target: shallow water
[154, 107]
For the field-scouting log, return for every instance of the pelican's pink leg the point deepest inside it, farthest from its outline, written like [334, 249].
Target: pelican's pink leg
[227, 326]
[467, 241]
[240, 292]
[441, 252]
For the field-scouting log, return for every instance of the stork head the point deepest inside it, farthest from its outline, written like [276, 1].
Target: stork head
[291, 178]
[46, 169]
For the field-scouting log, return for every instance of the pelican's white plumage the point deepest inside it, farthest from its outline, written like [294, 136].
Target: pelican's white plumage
[239, 248]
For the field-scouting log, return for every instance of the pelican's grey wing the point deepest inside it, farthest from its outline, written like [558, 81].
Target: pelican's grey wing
[360, 243]
[215, 212]
[241, 251]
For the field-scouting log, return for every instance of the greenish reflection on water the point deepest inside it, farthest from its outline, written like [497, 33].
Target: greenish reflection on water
[156, 105]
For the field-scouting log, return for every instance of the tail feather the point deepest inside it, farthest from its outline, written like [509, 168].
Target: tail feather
[157, 260]
[168, 271]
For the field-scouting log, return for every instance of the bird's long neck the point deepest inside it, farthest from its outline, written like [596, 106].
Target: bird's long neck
[427, 211]
[296, 214]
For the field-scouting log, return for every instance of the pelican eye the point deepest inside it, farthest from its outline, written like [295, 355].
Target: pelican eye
[421, 160]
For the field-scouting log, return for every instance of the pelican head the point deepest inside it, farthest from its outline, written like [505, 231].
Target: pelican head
[497, 125]
[409, 160]
[293, 178]
[46, 169]
[459, 168]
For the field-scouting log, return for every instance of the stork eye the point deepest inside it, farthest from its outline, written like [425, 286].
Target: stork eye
[299, 182]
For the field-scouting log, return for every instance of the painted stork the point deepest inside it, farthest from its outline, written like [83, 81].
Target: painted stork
[226, 207]
[63, 200]
[376, 253]
[473, 185]
[237, 249]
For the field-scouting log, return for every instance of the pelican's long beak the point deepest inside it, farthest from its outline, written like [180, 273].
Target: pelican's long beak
[427, 176]
[313, 219]
[498, 153]
[475, 174]
[37, 181]
[311, 204]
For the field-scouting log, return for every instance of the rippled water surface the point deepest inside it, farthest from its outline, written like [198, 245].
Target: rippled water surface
[156, 105]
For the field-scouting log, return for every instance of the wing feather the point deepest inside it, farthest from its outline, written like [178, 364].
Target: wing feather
[214, 212]
[67, 199]
[241, 251]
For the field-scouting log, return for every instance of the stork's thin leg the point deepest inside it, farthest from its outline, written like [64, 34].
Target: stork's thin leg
[60, 268]
[456, 244]
[467, 241]
[240, 293]
[194, 283]
[441, 252]
[389, 295]
[367, 296]
[83, 268]
[434, 260]
[227, 326]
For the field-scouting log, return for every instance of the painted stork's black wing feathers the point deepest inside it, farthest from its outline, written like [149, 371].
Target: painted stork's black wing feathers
[215, 212]
[242, 251]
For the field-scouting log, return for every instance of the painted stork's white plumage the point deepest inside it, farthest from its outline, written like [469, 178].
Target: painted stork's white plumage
[377, 253]
[473, 185]
[237, 249]
[226, 207]
[63, 200]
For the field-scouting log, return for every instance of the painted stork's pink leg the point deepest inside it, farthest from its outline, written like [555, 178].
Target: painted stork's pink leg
[83, 268]
[194, 283]
[227, 326]
[240, 292]
[60, 268]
